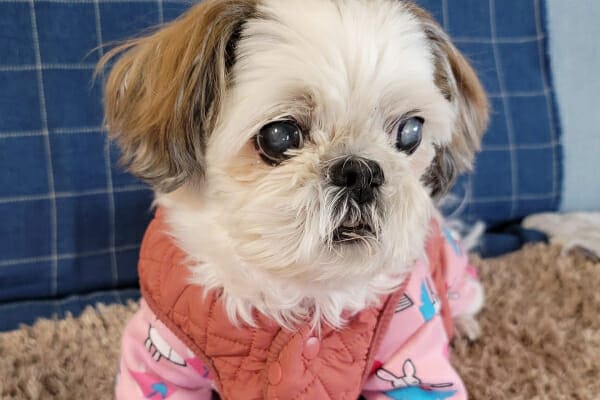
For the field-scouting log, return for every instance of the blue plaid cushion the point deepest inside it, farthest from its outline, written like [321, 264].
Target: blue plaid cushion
[27, 312]
[519, 169]
[72, 221]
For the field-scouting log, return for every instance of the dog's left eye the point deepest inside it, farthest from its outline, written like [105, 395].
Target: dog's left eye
[275, 139]
[410, 133]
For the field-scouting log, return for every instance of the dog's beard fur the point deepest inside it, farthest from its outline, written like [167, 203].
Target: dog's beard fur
[275, 251]
[265, 236]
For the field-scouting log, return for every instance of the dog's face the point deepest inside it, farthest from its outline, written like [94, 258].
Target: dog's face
[310, 135]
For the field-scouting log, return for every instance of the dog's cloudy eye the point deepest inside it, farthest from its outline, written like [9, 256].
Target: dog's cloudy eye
[276, 138]
[409, 136]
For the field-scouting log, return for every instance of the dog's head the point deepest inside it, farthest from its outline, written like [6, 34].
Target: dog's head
[303, 140]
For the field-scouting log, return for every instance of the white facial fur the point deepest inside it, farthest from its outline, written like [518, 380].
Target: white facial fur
[347, 70]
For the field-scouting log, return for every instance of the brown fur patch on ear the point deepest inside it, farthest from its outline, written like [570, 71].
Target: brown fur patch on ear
[459, 84]
[163, 93]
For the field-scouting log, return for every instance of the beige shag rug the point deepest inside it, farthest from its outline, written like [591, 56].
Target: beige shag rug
[541, 338]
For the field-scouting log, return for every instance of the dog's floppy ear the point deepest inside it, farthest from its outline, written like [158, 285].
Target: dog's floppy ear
[164, 90]
[459, 84]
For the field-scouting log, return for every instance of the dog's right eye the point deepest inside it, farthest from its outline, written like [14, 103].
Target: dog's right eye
[410, 133]
[275, 139]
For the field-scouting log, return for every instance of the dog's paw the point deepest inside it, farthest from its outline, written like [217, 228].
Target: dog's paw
[467, 326]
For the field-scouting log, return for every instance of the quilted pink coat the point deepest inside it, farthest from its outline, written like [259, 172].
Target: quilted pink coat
[181, 345]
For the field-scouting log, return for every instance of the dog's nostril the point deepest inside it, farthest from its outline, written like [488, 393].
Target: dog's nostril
[350, 177]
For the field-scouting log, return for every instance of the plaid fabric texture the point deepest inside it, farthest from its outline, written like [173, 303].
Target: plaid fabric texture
[519, 170]
[72, 222]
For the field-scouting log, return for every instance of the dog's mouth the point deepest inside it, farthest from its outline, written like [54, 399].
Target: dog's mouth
[352, 232]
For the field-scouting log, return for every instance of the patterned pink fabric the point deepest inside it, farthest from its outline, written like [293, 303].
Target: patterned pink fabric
[156, 365]
[413, 359]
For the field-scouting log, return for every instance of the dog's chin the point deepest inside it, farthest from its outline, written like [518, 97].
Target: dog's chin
[336, 276]
[358, 248]
[347, 234]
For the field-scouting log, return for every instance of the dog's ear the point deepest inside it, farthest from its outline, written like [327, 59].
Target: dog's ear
[459, 84]
[164, 90]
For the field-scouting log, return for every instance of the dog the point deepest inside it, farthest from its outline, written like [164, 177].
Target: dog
[297, 150]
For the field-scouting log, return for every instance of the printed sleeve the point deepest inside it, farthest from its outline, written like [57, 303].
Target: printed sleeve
[156, 365]
[420, 369]
[464, 291]
[412, 361]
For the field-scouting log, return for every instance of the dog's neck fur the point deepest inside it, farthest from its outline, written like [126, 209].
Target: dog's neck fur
[215, 266]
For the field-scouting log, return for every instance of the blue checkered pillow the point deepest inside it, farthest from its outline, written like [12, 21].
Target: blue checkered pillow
[72, 221]
[519, 170]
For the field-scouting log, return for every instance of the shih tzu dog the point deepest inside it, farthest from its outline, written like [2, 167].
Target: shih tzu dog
[297, 149]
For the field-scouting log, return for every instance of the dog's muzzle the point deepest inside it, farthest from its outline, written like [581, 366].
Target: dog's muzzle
[360, 179]
[360, 176]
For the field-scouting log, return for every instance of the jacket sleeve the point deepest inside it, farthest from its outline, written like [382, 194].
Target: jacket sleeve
[412, 361]
[155, 364]
[464, 291]
[415, 368]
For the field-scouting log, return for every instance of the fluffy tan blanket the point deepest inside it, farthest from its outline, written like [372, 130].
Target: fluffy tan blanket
[541, 338]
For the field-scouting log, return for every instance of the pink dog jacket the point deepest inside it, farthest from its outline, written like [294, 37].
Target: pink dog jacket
[181, 345]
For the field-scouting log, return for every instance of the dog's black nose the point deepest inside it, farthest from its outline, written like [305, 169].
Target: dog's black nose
[359, 175]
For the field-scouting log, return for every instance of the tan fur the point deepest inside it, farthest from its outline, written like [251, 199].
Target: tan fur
[459, 84]
[163, 92]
